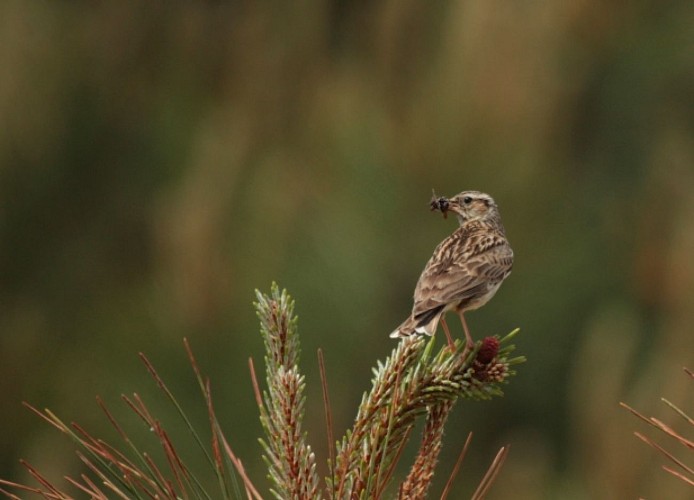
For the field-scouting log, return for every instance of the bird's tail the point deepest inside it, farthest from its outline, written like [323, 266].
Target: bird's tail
[424, 323]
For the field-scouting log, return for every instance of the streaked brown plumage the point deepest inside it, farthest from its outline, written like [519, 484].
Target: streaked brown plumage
[466, 269]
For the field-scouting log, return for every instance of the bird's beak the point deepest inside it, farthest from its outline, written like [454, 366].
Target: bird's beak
[453, 206]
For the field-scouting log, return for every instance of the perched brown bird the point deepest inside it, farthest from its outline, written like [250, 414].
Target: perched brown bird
[466, 269]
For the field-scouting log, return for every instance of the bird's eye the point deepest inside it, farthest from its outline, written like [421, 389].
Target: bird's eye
[467, 200]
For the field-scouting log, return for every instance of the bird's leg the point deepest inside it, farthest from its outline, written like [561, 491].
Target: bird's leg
[468, 337]
[451, 345]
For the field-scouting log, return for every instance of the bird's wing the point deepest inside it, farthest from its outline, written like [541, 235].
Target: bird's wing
[462, 267]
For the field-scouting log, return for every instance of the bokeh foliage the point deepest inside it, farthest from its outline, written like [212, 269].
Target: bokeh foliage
[158, 163]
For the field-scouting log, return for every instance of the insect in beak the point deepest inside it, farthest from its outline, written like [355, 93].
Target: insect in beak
[439, 203]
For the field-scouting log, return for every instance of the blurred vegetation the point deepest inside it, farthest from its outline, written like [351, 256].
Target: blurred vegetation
[159, 162]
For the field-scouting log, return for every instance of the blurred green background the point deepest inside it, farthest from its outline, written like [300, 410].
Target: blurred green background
[160, 162]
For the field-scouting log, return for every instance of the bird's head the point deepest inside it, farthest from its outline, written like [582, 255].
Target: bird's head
[473, 206]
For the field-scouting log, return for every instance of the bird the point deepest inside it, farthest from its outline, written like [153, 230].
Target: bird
[466, 269]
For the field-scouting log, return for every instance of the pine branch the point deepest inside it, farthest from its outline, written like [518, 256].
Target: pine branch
[419, 479]
[410, 384]
[406, 387]
[289, 458]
